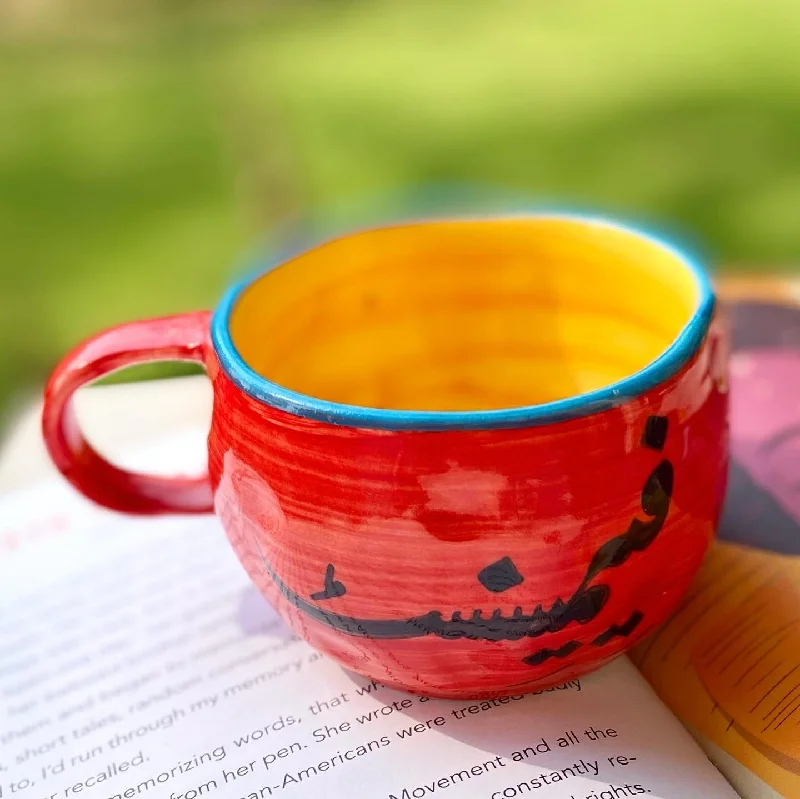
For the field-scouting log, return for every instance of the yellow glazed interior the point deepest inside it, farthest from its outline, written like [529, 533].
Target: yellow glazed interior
[465, 315]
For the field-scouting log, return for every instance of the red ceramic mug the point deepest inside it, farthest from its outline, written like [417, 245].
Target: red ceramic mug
[463, 457]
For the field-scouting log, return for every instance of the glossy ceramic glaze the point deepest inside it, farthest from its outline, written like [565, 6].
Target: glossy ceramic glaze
[464, 458]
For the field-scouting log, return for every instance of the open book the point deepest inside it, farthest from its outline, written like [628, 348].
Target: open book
[137, 661]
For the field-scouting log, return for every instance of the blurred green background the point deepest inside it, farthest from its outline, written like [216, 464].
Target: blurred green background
[146, 146]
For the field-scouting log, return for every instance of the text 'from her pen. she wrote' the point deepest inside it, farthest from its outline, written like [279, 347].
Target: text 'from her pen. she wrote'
[274, 757]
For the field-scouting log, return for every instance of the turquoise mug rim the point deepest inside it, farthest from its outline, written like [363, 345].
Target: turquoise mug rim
[685, 345]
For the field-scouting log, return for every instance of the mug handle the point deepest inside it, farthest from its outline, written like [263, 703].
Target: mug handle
[184, 337]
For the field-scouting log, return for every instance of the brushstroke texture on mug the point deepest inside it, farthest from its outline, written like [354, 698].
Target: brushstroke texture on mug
[458, 456]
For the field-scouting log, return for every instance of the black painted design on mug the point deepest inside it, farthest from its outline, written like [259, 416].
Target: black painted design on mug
[333, 588]
[500, 575]
[581, 607]
[619, 630]
[655, 500]
[584, 605]
[655, 432]
[537, 658]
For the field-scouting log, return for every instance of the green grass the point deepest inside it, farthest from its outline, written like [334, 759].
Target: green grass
[142, 154]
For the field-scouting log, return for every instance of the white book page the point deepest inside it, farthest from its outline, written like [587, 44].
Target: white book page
[137, 661]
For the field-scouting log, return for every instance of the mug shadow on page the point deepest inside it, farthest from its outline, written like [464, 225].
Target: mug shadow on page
[496, 732]
[256, 616]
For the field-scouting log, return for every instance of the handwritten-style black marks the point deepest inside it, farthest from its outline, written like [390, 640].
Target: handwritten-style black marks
[619, 630]
[537, 658]
[656, 496]
[581, 607]
[655, 432]
[500, 575]
[333, 588]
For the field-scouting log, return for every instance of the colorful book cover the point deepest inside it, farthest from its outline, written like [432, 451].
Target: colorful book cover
[728, 662]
